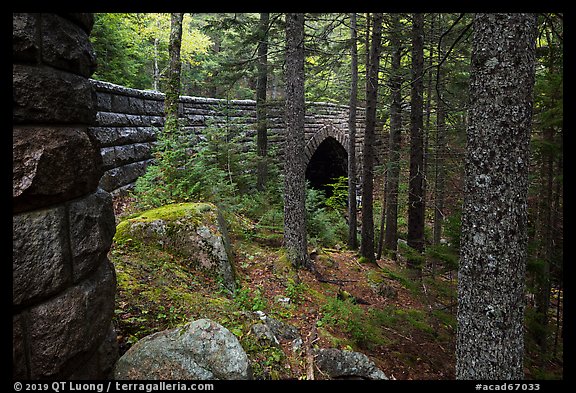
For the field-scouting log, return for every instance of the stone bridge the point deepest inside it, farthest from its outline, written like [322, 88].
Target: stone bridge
[127, 122]
[74, 142]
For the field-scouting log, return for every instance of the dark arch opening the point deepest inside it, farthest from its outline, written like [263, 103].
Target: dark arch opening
[329, 161]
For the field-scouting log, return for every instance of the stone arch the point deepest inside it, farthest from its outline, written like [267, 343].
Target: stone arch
[320, 135]
[326, 157]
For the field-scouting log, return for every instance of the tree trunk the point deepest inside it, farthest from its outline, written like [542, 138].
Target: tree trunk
[155, 69]
[428, 111]
[172, 97]
[440, 180]
[367, 232]
[391, 235]
[294, 181]
[352, 211]
[440, 177]
[382, 219]
[261, 86]
[416, 189]
[490, 335]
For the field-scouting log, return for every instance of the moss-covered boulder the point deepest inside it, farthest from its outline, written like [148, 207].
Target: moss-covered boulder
[195, 232]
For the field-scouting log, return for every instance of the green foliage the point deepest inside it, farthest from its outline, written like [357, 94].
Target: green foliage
[339, 198]
[327, 62]
[352, 319]
[414, 318]
[250, 301]
[120, 50]
[536, 266]
[267, 361]
[452, 229]
[412, 254]
[217, 53]
[128, 45]
[272, 217]
[445, 254]
[365, 327]
[325, 226]
[402, 319]
[212, 168]
[402, 277]
[228, 69]
[179, 176]
[447, 320]
[363, 260]
[548, 97]
[295, 290]
[534, 324]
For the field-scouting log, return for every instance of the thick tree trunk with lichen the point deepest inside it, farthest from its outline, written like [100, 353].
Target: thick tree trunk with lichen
[490, 336]
[294, 165]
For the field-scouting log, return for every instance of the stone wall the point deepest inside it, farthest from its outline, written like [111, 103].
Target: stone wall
[128, 120]
[63, 222]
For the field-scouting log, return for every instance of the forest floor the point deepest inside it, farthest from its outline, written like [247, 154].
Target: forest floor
[402, 321]
[394, 326]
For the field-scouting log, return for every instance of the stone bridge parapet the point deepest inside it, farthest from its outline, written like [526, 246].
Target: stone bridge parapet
[128, 120]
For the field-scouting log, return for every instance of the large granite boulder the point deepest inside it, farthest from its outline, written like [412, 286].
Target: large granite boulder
[196, 232]
[201, 349]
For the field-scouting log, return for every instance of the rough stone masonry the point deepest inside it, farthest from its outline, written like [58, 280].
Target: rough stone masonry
[128, 121]
[63, 222]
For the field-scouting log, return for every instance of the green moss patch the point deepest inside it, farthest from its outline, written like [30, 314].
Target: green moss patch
[197, 213]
